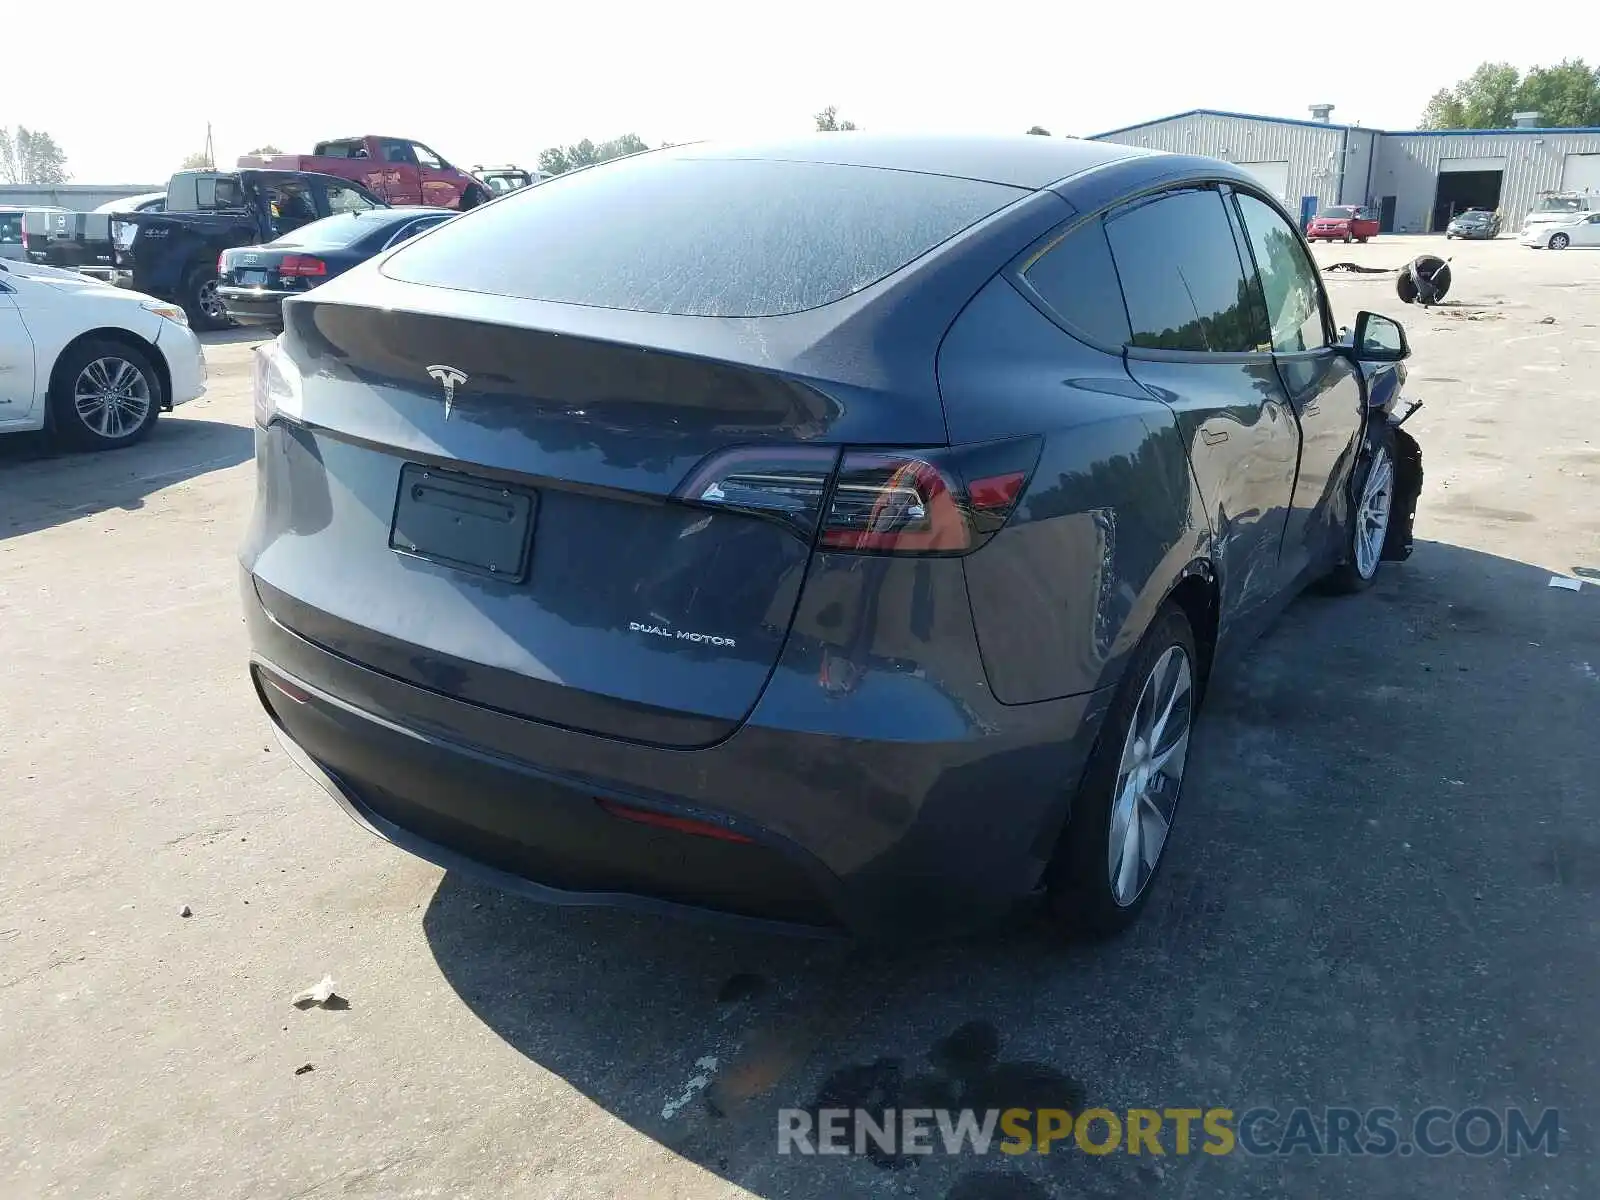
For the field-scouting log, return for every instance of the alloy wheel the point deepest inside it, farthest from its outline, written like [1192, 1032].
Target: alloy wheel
[111, 397]
[1372, 514]
[1150, 775]
[210, 302]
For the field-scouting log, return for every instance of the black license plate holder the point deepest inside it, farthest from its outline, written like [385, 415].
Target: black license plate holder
[467, 524]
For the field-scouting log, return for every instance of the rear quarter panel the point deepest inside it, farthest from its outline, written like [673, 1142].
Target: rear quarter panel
[1110, 520]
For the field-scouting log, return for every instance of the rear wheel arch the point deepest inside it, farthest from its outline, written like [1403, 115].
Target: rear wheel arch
[1199, 597]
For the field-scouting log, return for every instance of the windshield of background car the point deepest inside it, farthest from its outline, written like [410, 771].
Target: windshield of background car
[701, 237]
[1337, 214]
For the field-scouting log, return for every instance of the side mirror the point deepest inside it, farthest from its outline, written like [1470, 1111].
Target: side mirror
[1379, 339]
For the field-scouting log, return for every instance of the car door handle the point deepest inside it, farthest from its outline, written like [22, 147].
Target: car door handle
[1213, 438]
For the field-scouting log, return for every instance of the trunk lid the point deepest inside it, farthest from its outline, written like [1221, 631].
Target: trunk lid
[488, 509]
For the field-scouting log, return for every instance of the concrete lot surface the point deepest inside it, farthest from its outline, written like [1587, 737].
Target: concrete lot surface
[1385, 889]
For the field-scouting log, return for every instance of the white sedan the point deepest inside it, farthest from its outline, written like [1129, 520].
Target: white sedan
[92, 363]
[1581, 229]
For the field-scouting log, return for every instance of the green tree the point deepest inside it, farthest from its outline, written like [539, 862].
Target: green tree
[31, 156]
[266, 150]
[1565, 95]
[558, 159]
[1040, 130]
[197, 161]
[828, 121]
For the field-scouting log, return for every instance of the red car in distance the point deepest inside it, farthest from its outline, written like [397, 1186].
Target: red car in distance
[399, 170]
[1342, 223]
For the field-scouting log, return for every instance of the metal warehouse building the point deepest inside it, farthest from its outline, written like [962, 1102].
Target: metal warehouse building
[1416, 180]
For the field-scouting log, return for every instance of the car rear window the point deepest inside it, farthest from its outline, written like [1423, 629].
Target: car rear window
[701, 237]
[10, 229]
[333, 233]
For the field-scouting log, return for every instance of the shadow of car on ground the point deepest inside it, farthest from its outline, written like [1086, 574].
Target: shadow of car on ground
[1382, 894]
[43, 484]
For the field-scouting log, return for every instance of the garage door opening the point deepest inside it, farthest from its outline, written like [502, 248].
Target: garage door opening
[1461, 190]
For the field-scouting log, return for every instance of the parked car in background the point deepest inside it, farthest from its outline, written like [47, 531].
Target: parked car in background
[13, 231]
[1343, 223]
[1473, 224]
[92, 363]
[1579, 229]
[398, 170]
[704, 554]
[501, 180]
[174, 253]
[123, 231]
[254, 281]
[1557, 208]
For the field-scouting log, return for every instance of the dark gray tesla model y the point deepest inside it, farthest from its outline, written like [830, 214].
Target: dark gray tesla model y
[837, 533]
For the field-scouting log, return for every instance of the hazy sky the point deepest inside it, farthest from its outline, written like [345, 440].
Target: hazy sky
[134, 85]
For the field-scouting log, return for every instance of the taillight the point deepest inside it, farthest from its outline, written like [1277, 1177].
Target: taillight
[222, 263]
[302, 266]
[784, 485]
[946, 501]
[934, 502]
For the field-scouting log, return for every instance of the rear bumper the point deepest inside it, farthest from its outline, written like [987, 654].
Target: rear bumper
[873, 839]
[253, 306]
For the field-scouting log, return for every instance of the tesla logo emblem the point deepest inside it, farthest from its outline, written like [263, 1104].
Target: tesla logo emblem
[449, 377]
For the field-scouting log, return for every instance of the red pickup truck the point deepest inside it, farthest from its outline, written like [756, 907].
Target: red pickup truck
[399, 170]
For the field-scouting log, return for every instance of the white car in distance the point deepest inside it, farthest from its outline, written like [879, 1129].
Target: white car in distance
[123, 231]
[1580, 229]
[92, 363]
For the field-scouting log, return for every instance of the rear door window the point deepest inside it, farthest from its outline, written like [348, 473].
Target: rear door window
[396, 151]
[1182, 276]
[1288, 280]
[705, 237]
[1078, 281]
[10, 229]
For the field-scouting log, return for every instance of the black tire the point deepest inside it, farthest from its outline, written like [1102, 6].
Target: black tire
[110, 424]
[1080, 883]
[1378, 448]
[200, 301]
[473, 197]
[1363, 241]
[1559, 241]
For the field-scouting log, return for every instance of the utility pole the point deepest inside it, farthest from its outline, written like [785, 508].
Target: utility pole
[211, 155]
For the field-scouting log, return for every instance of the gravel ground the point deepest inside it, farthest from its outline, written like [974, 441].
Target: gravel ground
[1384, 892]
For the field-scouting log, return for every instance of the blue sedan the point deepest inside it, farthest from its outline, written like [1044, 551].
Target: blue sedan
[254, 281]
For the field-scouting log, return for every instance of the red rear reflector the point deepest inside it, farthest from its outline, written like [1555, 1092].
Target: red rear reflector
[645, 816]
